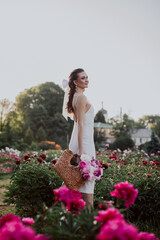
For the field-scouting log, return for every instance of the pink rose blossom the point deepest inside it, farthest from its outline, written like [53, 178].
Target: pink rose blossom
[125, 191]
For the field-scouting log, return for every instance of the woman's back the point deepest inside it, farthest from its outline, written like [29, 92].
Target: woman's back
[87, 142]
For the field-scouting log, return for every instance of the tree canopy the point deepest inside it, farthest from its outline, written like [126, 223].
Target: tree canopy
[38, 111]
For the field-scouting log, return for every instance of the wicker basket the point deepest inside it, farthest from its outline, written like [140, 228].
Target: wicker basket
[71, 175]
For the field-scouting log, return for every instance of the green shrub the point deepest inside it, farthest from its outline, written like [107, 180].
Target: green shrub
[123, 142]
[31, 186]
[59, 224]
[141, 171]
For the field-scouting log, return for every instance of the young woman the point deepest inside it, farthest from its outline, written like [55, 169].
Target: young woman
[82, 141]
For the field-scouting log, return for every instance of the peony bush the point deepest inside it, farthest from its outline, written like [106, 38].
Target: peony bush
[32, 185]
[138, 169]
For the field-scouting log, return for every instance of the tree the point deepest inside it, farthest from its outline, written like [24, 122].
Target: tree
[156, 128]
[154, 145]
[152, 122]
[124, 127]
[41, 135]
[5, 108]
[122, 132]
[29, 138]
[123, 142]
[99, 117]
[40, 106]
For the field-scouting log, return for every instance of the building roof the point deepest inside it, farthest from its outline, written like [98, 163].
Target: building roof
[141, 133]
[102, 125]
[103, 110]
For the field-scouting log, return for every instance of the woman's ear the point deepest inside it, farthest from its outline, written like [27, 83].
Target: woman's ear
[75, 82]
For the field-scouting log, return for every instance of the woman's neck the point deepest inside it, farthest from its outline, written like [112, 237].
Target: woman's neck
[79, 90]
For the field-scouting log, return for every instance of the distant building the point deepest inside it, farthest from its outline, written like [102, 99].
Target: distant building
[106, 128]
[141, 136]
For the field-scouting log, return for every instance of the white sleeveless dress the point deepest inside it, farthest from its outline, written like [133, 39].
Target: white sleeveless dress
[87, 142]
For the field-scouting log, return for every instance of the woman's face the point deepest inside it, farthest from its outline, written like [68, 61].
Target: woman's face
[82, 80]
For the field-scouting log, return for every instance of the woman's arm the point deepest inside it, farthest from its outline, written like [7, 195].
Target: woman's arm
[81, 107]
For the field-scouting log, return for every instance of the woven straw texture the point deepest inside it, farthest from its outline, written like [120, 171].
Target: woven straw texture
[71, 175]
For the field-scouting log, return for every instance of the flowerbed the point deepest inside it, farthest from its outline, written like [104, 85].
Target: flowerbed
[8, 158]
[74, 221]
[34, 179]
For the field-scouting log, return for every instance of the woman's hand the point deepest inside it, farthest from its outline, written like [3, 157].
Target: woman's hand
[78, 158]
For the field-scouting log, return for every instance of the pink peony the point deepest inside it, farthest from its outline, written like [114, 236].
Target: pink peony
[54, 161]
[93, 163]
[61, 194]
[147, 236]
[109, 214]
[18, 162]
[99, 163]
[16, 230]
[98, 172]
[104, 166]
[71, 198]
[145, 162]
[113, 156]
[102, 206]
[125, 191]
[82, 164]
[149, 175]
[124, 163]
[86, 169]
[86, 176]
[118, 229]
[28, 220]
[39, 160]
[7, 218]
[26, 157]
[43, 156]
[42, 237]
[75, 204]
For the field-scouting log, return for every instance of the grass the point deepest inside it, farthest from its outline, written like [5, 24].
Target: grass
[4, 182]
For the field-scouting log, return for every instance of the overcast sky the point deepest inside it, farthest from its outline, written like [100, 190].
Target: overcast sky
[117, 42]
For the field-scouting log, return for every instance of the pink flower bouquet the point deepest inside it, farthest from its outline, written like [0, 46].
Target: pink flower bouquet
[90, 168]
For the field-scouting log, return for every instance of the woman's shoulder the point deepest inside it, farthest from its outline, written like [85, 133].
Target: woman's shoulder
[81, 97]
